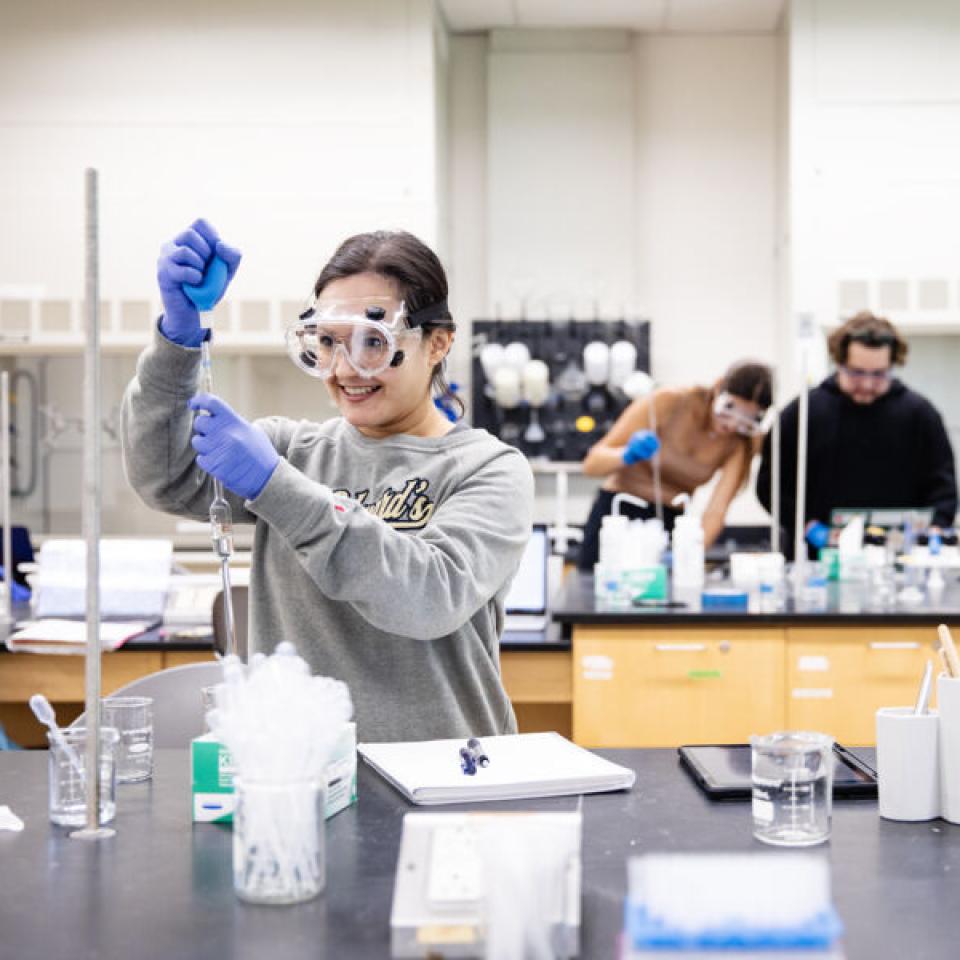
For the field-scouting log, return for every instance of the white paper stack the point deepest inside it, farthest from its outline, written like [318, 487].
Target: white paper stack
[521, 766]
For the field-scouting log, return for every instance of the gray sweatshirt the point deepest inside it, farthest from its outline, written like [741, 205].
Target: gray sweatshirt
[385, 562]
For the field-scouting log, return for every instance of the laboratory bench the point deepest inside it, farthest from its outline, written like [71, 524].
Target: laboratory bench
[646, 677]
[162, 886]
[535, 666]
[636, 677]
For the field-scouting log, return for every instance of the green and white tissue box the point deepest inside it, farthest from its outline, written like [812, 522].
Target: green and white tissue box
[647, 583]
[212, 773]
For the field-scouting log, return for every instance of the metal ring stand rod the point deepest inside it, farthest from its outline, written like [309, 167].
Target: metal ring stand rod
[91, 511]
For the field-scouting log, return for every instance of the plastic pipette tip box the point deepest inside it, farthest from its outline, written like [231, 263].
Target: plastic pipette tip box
[712, 904]
[818, 933]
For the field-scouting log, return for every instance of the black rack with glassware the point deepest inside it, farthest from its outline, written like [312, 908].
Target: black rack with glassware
[553, 388]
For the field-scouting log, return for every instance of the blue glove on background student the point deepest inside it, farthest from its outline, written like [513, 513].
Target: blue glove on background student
[818, 534]
[641, 446]
[183, 261]
[235, 451]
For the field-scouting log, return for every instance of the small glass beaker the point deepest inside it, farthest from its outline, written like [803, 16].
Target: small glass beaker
[882, 588]
[812, 591]
[132, 718]
[67, 766]
[278, 840]
[792, 787]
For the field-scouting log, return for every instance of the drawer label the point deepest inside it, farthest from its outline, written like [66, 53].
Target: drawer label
[813, 664]
[596, 666]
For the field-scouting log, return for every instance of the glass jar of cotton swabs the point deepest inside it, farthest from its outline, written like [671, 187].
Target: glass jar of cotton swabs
[280, 725]
[278, 840]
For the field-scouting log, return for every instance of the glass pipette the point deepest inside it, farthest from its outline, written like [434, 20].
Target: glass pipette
[221, 519]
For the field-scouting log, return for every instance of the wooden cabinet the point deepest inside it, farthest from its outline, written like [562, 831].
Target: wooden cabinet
[659, 687]
[539, 686]
[838, 677]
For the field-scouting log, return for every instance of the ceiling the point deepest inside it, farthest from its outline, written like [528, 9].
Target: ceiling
[646, 16]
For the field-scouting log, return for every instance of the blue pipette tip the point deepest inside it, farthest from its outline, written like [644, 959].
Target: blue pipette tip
[206, 294]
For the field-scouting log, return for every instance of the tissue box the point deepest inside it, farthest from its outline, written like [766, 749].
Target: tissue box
[211, 768]
[647, 583]
[212, 772]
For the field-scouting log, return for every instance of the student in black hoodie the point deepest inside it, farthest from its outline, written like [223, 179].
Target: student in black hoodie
[873, 442]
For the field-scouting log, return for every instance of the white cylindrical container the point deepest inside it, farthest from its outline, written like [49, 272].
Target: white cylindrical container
[688, 552]
[623, 360]
[613, 539]
[506, 388]
[908, 764]
[491, 359]
[596, 362]
[638, 384]
[536, 383]
[516, 355]
[948, 702]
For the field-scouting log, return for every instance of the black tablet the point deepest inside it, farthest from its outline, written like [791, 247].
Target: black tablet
[722, 771]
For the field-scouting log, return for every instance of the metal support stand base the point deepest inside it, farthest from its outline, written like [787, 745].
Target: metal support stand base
[101, 833]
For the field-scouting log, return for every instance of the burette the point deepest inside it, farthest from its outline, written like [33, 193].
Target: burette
[221, 518]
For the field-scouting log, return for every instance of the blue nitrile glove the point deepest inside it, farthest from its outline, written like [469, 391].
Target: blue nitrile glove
[239, 454]
[18, 592]
[818, 534]
[191, 259]
[641, 446]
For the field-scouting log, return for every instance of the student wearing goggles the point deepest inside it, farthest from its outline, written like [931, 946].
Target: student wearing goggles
[366, 331]
[873, 441]
[384, 538]
[682, 437]
[739, 415]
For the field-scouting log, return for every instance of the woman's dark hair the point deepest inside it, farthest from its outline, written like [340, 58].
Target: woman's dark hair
[750, 380]
[871, 331]
[415, 269]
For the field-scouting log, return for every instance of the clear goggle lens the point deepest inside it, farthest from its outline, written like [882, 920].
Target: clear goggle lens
[725, 409]
[366, 331]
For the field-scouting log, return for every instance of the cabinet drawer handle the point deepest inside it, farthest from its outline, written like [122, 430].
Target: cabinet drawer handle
[894, 645]
[692, 647]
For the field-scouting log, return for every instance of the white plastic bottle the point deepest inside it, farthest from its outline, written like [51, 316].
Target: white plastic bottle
[688, 557]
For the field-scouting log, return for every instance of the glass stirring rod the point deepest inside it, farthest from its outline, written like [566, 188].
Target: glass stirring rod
[221, 519]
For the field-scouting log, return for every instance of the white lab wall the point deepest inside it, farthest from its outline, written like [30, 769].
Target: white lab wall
[583, 170]
[274, 120]
[561, 173]
[874, 193]
[290, 125]
[706, 201]
[466, 207]
[635, 173]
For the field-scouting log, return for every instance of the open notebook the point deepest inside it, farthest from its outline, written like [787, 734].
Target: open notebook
[521, 766]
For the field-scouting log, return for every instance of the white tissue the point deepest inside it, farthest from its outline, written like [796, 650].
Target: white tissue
[9, 820]
[851, 536]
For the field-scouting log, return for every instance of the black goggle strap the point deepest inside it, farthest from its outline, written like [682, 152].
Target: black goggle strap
[435, 313]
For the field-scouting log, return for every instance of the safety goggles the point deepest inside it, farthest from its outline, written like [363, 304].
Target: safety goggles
[879, 377]
[726, 409]
[367, 331]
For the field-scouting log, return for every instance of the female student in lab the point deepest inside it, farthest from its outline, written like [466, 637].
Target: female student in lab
[385, 538]
[679, 438]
